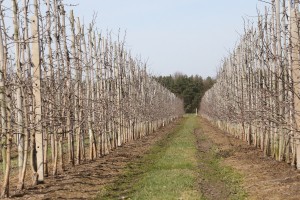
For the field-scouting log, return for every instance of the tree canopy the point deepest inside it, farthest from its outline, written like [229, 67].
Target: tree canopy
[189, 88]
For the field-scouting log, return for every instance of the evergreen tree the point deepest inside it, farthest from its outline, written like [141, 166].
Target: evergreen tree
[189, 88]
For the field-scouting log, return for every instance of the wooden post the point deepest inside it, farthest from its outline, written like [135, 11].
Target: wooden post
[296, 74]
[26, 98]
[4, 132]
[37, 97]
[280, 90]
[20, 137]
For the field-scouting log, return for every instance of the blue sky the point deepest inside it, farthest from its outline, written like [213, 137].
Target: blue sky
[187, 36]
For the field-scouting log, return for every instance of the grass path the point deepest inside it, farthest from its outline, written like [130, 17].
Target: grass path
[183, 165]
[167, 171]
[172, 174]
[216, 180]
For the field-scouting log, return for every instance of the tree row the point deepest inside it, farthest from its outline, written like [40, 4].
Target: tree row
[256, 96]
[68, 93]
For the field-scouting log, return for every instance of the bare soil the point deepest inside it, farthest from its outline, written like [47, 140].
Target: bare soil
[85, 181]
[263, 177]
[210, 185]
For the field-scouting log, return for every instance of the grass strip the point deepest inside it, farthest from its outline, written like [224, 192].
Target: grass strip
[174, 169]
[218, 180]
[167, 171]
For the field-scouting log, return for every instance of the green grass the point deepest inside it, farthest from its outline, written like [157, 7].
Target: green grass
[172, 169]
[214, 172]
[168, 171]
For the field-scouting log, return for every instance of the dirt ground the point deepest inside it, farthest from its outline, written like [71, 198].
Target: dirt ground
[88, 179]
[264, 178]
[211, 187]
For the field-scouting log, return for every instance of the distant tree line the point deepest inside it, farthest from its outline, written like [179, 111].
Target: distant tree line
[189, 88]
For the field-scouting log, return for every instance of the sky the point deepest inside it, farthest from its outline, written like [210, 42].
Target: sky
[187, 36]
